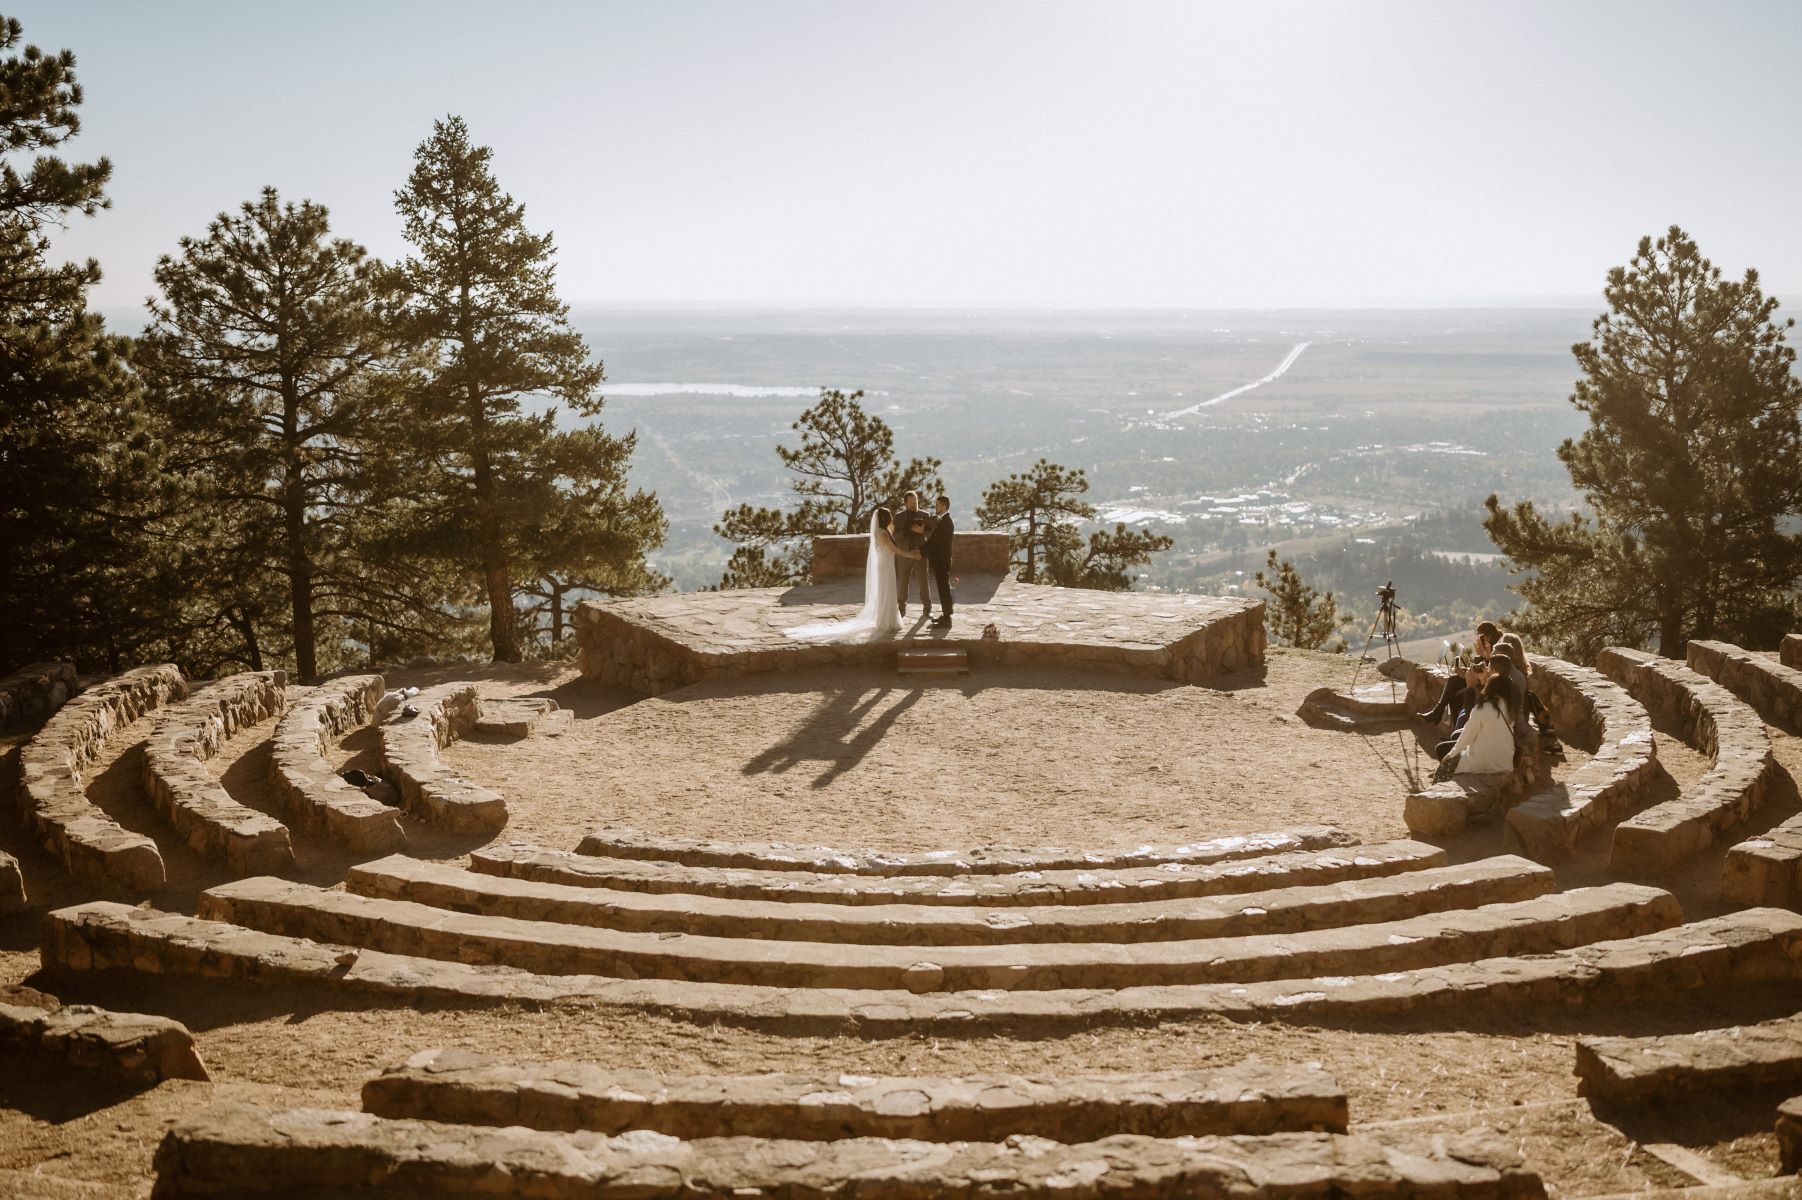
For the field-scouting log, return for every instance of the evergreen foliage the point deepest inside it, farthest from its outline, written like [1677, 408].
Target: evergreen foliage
[1043, 508]
[1689, 467]
[1297, 614]
[845, 469]
[478, 297]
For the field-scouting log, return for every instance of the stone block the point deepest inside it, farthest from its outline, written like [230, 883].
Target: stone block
[1639, 1070]
[121, 1048]
[1767, 869]
[235, 1150]
[429, 789]
[12, 885]
[978, 552]
[473, 1089]
[1789, 1135]
[1790, 652]
[1018, 888]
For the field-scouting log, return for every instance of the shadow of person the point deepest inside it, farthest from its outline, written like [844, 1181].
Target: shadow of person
[835, 733]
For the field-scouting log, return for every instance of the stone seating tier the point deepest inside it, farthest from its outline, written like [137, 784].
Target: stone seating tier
[1170, 881]
[474, 1089]
[236, 1150]
[126, 1049]
[1535, 926]
[313, 797]
[53, 800]
[654, 644]
[430, 790]
[785, 856]
[183, 738]
[1715, 723]
[35, 691]
[1725, 954]
[1597, 715]
[1288, 910]
[1766, 869]
[1640, 1070]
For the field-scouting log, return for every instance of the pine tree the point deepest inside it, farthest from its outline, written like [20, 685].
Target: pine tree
[80, 461]
[1689, 467]
[479, 296]
[1043, 507]
[846, 469]
[1298, 615]
[273, 355]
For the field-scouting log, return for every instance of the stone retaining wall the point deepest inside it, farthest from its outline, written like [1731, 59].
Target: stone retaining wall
[53, 800]
[429, 789]
[1172, 881]
[313, 796]
[474, 1089]
[1592, 712]
[237, 1151]
[979, 553]
[34, 692]
[183, 738]
[1716, 724]
[1768, 686]
[120, 1048]
[1733, 951]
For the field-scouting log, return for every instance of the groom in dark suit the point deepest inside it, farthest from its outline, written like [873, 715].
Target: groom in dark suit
[938, 556]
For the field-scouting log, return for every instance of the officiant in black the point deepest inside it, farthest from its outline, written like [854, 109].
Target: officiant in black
[938, 557]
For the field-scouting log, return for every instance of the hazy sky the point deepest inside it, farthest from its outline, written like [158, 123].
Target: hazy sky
[1107, 154]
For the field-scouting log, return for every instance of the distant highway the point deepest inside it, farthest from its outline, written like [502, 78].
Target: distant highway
[1281, 368]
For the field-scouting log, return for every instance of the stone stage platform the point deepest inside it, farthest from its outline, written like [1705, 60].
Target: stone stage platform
[659, 643]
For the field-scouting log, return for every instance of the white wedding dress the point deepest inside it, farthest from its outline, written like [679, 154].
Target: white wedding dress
[880, 616]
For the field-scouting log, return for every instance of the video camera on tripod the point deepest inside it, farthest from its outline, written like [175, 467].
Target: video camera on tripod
[1387, 610]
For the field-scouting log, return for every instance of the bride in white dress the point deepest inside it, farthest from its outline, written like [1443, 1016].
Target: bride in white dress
[880, 616]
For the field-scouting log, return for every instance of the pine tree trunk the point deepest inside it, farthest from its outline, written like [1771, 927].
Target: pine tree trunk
[503, 630]
[556, 614]
[294, 522]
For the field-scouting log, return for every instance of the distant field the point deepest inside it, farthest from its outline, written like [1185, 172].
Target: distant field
[1385, 414]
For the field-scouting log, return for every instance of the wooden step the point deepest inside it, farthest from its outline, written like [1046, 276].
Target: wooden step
[935, 661]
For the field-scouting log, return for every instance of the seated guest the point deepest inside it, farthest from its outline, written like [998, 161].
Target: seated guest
[1488, 634]
[1486, 743]
[1534, 707]
[1501, 662]
[1461, 689]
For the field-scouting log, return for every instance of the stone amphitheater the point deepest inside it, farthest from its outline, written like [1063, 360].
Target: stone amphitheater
[1091, 895]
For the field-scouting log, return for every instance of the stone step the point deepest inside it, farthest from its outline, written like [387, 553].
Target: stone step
[231, 1151]
[1347, 708]
[517, 717]
[933, 662]
[991, 860]
[1641, 1069]
[127, 1049]
[1287, 910]
[474, 1089]
[1018, 888]
[1724, 954]
[1716, 723]
[400, 927]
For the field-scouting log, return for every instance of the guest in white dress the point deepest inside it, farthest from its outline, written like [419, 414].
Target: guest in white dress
[1486, 743]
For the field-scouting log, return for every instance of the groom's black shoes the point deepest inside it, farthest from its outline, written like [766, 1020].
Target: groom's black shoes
[944, 622]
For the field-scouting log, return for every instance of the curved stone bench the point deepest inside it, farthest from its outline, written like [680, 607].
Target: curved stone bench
[1731, 952]
[991, 860]
[237, 1150]
[123, 1048]
[53, 800]
[1527, 927]
[1288, 910]
[1592, 712]
[475, 1089]
[1716, 724]
[1641, 1069]
[430, 790]
[1767, 685]
[1020, 888]
[183, 738]
[313, 797]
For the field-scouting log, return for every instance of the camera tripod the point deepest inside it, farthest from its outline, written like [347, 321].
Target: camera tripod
[1383, 626]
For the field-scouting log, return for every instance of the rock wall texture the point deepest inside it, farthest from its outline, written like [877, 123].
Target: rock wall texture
[1768, 686]
[184, 737]
[1714, 722]
[53, 801]
[34, 692]
[313, 797]
[429, 789]
[979, 553]
[121, 1048]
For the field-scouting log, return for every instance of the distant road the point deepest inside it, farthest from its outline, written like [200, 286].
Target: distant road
[1281, 368]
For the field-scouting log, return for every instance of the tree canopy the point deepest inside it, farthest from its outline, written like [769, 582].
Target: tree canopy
[1043, 508]
[1689, 468]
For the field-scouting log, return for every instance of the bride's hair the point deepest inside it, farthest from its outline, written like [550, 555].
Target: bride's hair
[883, 518]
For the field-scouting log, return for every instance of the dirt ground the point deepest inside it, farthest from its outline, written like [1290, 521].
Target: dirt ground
[851, 759]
